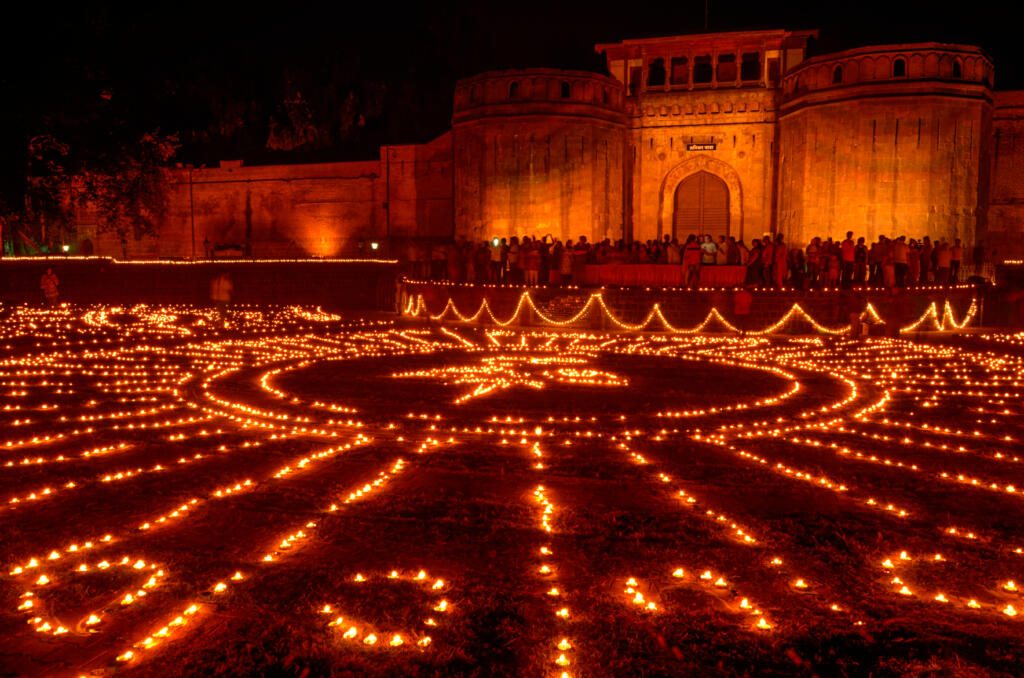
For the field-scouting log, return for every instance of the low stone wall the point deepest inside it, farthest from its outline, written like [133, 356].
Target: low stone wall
[333, 284]
[686, 309]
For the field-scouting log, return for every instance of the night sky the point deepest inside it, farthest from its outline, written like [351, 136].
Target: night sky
[317, 82]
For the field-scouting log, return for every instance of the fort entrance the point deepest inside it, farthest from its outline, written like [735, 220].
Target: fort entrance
[701, 206]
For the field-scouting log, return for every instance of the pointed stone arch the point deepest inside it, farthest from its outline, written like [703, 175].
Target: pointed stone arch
[700, 163]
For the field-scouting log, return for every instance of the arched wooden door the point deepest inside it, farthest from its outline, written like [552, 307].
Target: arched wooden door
[702, 206]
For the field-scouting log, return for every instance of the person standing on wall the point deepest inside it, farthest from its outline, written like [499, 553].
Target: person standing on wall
[767, 260]
[721, 251]
[708, 251]
[943, 262]
[755, 263]
[860, 262]
[900, 260]
[579, 259]
[813, 258]
[913, 262]
[673, 253]
[741, 253]
[926, 261]
[849, 256]
[495, 270]
[956, 256]
[875, 262]
[797, 268]
[49, 284]
[733, 255]
[534, 262]
[779, 262]
[888, 263]
[513, 272]
[565, 262]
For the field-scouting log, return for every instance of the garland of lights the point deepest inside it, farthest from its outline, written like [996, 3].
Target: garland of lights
[416, 307]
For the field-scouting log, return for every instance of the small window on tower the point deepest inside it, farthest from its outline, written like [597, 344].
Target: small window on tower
[513, 90]
[473, 94]
[726, 71]
[702, 70]
[680, 71]
[566, 91]
[958, 70]
[750, 69]
[837, 75]
[656, 73]
[899, 68]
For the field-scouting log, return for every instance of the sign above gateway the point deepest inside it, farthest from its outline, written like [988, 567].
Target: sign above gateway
[701, 147]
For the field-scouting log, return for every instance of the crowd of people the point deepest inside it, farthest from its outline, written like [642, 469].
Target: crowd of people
[769, 261]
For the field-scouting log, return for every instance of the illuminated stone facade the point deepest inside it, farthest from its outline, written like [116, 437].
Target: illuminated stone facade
[1005, 232]
[730, 133]
[539, 152]
[887, 141]
[703, 103]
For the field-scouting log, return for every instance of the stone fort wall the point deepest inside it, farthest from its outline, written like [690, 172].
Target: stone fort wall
[886, 141]
[539, 152]
[298, 211]
[1004, 237]
[902, 139]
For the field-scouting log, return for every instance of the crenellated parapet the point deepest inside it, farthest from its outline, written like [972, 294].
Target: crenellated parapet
[539, 152]
[922, 68]
[538, 91]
